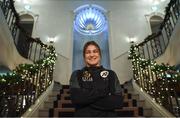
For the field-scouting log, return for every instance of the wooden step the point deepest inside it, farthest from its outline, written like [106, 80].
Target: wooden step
[43, 112]
[68, 112]
[65, 86]
[145, 112]
[62, 111]
[64, 104]
[48, 104]
[66, 96]
[137, 111]
[52, 97]
[127, 103]
[63, 96]
[133, 103]
[62, 91]
[63, 107]
[131, 96]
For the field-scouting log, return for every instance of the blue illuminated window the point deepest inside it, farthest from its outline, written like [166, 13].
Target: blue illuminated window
[90, 20]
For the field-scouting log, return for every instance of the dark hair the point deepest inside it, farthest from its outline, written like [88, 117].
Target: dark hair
[91, 43]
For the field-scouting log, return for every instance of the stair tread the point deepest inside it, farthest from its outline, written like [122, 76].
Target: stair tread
[69, 109]
[123, 108]
[65, 109]
[63, 103]
[44, 109]
[68, 94]
[126, 96]
[125, 100]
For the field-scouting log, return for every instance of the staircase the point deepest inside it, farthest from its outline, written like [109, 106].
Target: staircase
[60, 105]
[155, 61]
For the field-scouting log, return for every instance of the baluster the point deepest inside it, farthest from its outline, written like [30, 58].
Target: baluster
[35, 52]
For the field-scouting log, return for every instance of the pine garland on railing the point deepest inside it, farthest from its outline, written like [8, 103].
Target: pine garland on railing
[10, 78]
[21, 87]
[160, 81]
[17, 75]
[143, 63]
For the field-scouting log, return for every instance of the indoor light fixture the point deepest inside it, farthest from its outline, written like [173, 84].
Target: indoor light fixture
[51, 39]
[90, 20]
[27, 7]
[131, 39]
[154, 8]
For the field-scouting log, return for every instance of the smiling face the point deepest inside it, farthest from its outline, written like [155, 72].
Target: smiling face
[92, 55]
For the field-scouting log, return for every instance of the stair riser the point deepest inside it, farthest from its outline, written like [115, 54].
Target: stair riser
[48, 105]
[126, 96]
[61, 107]
[67, 91]
[135, 112]
[146, 113]
[127, 103]
[43, 113]
[131, 103]
[131, 96]
[52, 98]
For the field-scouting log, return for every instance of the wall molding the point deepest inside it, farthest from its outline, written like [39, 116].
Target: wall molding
[124, 53]
[35, 18]
[148, 16]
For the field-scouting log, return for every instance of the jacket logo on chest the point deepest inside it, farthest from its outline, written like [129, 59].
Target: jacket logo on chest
[104, 74]
[87, 76]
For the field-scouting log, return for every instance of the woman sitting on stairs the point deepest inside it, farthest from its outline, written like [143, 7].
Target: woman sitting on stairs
[95, 91]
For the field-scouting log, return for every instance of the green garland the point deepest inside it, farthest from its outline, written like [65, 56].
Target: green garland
[10, 78]
[132, 52]
[144, 63]
[16, 75]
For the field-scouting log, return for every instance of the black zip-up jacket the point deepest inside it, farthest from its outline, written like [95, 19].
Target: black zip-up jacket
[95, 89]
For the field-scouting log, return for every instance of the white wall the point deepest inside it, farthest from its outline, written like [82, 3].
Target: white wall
[61, 69]
[126, 19]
